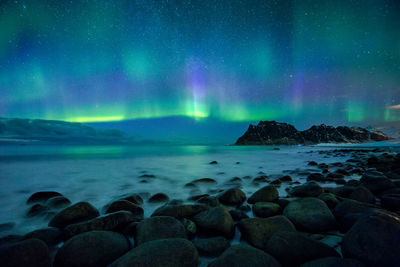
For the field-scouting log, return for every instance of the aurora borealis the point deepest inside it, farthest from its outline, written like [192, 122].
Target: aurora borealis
[230, 60]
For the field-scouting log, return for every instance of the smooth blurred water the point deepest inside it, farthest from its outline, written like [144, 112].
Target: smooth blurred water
[99, 174]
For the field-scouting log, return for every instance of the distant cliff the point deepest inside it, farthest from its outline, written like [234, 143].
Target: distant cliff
[276, 133]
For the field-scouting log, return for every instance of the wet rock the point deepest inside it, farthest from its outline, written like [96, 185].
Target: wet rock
[286, 178]
[215, 221]
[95, 248]
[276, 182]
[133, 198]
[233, 196]
[190, 226]
[159, 197]
[266, 194]
[349, 206]
[257, 231]
[334, 176]
[293, 248]
[244, 256]
[376, 182]
[79, 212]
[42, 196]
[316, 176]
[310, 214]
[341, 191]
[309, 189]
[330, 199]
[110, 222]
[159, 227]
[238, 215]
[213, 162]
[10, 239]
[374, 240]
[362, 194]
[391, 202]
[30, 252]
[36, 209]
[51, 235]
[312, 163]
[180, 211]
[204, 181]
[333, 262]
[58, 202]
[213, 246]
[266, 209]
[119, 205]
[162, 252]
[209, 200]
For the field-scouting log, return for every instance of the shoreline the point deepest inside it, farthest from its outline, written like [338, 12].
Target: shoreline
[223, 213]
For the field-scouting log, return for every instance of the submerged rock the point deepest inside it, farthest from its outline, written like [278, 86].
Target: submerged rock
[244, 256]
[95, 248]
[159, 197]
[58, 202]
[159, 227]
[42, 196]
[79, 212]
[161, 252]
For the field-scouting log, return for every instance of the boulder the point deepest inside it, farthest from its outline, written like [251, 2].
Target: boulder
[180, 211]
[133, 198]
[30, 252]
[212, 246]
[233, 196]
[51, 235]
[126, 205]
[257, 231]
[58, 202]
[316, 176]
[309, 189]
[159, 197]
[158, 227]
[333, 262]
[391, 202]
[79, 212]
[266, 209]
[349, 206]
[376, 183]
[244, 256]
[215, 221]
[161, 252]
[37, 209]
[95, 248]
[268, 193]
[293, 248]
[362, 194]
[310, 214]
[330, 199]
[110, 222]
[209, 200]
[238, 215]
[42, 196]
[374, 240]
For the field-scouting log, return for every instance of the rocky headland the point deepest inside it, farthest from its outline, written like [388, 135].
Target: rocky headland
[277, 133]
[355, 223]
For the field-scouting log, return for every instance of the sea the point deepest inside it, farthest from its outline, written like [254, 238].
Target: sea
[100, 174]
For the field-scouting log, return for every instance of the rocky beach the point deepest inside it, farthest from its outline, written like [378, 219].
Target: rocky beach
[339, 213]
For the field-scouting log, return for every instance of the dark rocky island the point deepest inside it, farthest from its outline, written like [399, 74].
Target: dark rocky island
[277, 133]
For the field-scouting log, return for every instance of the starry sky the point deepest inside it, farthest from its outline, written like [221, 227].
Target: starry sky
[301, 61]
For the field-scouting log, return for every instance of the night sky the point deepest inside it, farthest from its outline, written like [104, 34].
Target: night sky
[235, 61]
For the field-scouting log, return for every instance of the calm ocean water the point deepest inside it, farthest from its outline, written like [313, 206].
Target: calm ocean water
[99, 174]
